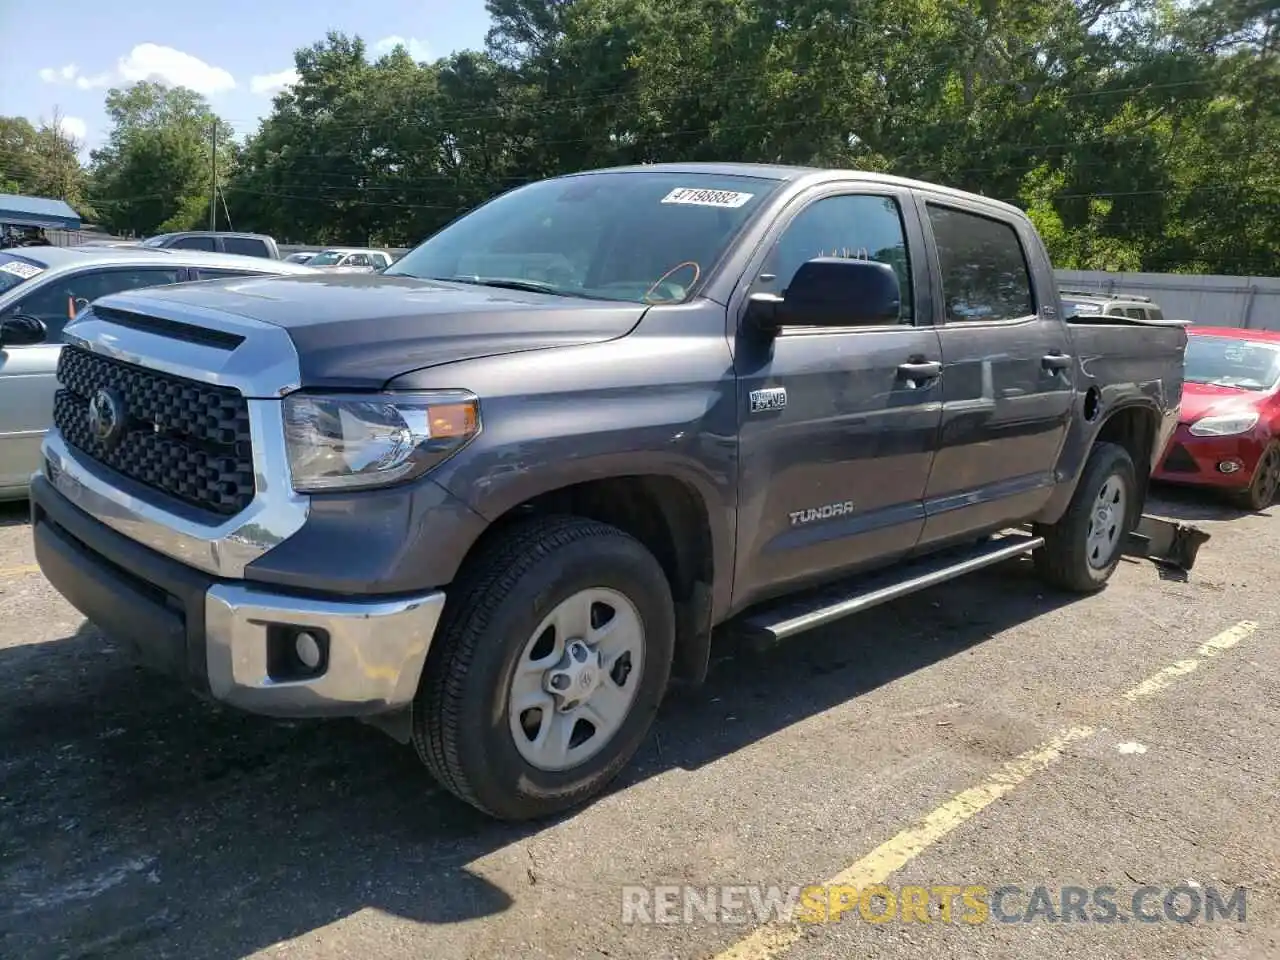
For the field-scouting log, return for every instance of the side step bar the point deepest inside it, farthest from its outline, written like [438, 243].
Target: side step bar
[778, 622]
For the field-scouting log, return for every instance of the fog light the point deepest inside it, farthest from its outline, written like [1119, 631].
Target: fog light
[307, 648]
[296, 652]
[1229, 466]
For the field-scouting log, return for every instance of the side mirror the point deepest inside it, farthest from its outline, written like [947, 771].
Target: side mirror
[22, 331]
[831, 292]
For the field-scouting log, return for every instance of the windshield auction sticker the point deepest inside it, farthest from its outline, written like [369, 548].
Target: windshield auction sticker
[19, 269]
[707, 198]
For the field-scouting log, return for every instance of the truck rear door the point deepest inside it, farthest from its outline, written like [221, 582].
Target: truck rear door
[1007, 390]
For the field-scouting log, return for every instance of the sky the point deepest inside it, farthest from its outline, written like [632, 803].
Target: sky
[63, 55]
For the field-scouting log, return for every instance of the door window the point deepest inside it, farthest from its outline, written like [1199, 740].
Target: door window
[855, 226]
[194, 243]
[358, 260]
[984, 270]
[62, 297]
[205, 273]
[246, 246]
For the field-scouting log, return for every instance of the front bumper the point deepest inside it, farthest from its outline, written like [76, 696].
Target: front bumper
[229, 639]
[1223, 462]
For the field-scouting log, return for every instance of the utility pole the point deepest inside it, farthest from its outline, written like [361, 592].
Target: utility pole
[213, 176]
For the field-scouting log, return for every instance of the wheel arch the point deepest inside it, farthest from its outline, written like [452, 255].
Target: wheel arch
[674, 519]
[1138, 425]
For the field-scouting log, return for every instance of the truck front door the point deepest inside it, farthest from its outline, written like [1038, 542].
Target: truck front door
[1007, 391]
[838, 425]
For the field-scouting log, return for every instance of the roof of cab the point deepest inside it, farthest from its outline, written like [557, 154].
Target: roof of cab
[797, 174]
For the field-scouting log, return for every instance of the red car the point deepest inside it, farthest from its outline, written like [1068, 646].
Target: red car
[1228, 435]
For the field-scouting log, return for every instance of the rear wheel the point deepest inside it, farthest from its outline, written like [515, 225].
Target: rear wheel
[1266, 480]
[548, 669]
[1084, 547]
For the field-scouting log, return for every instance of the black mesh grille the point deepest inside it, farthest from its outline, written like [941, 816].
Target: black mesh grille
[188, 439]
[1180, 461]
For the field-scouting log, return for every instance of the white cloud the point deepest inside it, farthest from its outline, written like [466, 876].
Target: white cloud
[418, 49]
[270, 83]
[150, 61]
[71, 74]
[94, 82]
[74, 127]
[61, 75]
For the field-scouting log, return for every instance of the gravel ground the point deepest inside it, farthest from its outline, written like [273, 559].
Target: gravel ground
[138, 821]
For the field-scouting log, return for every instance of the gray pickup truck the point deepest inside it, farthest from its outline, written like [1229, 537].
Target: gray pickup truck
[496, 499]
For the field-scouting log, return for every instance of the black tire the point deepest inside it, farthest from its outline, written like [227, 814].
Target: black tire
[1265, 484]
[460, 718]
[1065, 560]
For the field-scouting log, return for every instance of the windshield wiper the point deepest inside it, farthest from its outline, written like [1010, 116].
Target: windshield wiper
[532, 286]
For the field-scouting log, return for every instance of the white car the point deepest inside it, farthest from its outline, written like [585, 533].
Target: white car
[350, 260]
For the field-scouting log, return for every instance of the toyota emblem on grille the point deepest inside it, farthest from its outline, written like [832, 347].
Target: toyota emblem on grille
[106, 417]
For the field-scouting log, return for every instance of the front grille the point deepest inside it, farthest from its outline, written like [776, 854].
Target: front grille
[187, 439]
[1180, 461]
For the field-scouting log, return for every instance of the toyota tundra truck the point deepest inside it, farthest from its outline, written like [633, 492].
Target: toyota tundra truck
[495, 498]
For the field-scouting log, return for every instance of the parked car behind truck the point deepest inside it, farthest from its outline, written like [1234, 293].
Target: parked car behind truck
[41, 288]
[496, 498]
[1228, 436]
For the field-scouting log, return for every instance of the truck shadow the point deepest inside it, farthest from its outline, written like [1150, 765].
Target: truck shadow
[14, 512]
[136, 820]
[1190, 504]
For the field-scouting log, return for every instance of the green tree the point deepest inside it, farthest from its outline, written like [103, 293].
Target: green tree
[40, 161]
[155, 171]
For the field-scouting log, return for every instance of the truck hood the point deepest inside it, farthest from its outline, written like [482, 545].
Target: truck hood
[358, 330]
[1206, 399]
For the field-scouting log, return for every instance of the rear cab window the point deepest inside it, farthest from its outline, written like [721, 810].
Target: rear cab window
[984, 268]
[194, 243]
[15, 270]
[246, 246]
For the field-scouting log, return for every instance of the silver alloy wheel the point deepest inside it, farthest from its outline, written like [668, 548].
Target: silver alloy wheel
[576, 679]
[1106, 522]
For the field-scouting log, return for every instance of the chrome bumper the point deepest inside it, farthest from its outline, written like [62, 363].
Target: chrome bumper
[374, 650]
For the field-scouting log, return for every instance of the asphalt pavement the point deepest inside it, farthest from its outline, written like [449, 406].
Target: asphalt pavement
[988, 742]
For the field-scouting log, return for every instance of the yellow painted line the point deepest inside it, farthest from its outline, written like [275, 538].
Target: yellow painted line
[18, 571]
[895, 853]
[769, 941]
[1207, 651]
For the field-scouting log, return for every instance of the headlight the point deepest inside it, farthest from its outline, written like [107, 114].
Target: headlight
[356, 441]
[1224, 426]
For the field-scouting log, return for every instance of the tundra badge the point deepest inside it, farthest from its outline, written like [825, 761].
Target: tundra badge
[825, 512]
[771, 398]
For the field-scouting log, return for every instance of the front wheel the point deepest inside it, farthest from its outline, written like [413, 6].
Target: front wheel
[548, 670]
[1083, 549]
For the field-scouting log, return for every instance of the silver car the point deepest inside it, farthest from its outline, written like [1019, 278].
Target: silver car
[41, 289]
[350, 259]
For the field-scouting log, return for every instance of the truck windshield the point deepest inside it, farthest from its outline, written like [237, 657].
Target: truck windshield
[16, 270]
[1232, 362]
[631, 236]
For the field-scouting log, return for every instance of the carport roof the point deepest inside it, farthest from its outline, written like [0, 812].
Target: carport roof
[37, 212]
